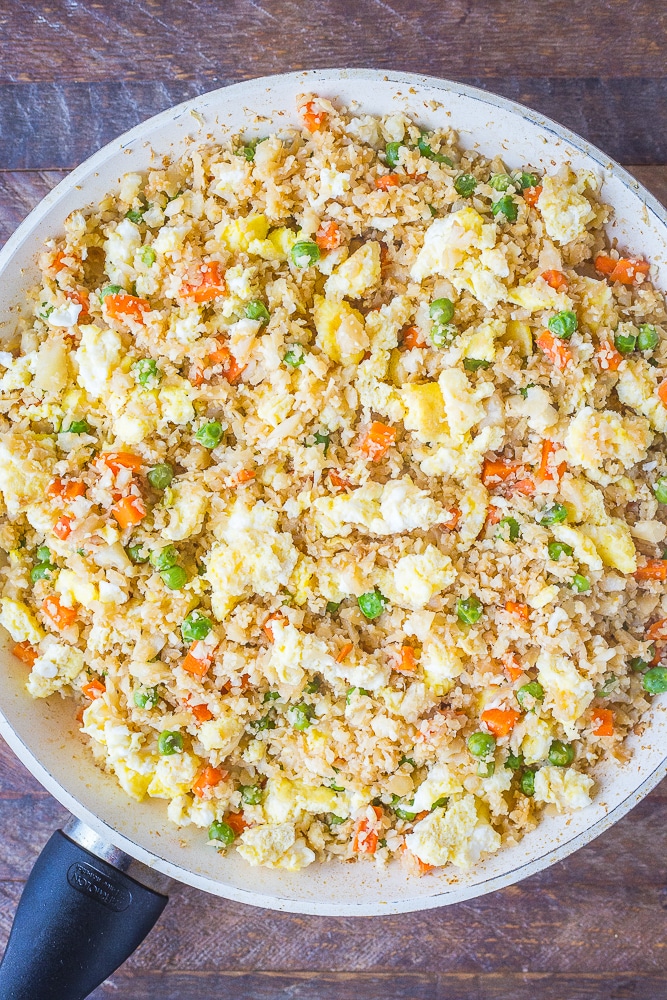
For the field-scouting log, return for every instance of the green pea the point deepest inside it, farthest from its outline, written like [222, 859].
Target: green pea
[405, 814]
[222, 832]
[500, 182]
[638, 664]
[336, 788]
[302, 715]
[506, 206]
[525, 180]
[580, 583]
[372, 604]
[45, 311]
[210, 434]
[392, 153]
[555, 514]
[486, 768]
[558, 549]
[137, 553]
[563, 324]
[333, 606]
[441, 310]
[323, 439]
[42, 571]
[362, 692]
[660, 490]
[648, 338]
[146, 371]
[78, 427]
[465, 185]
[271, 696]
[295, 356]
[425, 150]
[481, 744]
[625, 342]
[443, 334]
[514, 762]
[147, 256]
[43, 554]
[475, 364]
[406, 760]
[312, 687]
[195, 626]
[524, 389]
[527, 782]
[257, 310]
[532, 690]
[264, 723]
[508, 529]
[135, 215]
[469, 609]
[160, 476]
[251, 794]
[561, 754]
[147, 698]
[165, 558]
[335, 820]
[655, 680]
[440, 803]
[305, 253]
[111, 290]
[174, 578]
[606, 689]
[169, 743]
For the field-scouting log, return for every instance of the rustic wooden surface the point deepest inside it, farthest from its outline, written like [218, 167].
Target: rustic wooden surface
[74, 75]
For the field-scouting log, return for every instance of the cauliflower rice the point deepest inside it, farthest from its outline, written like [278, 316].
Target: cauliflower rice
[332, 471]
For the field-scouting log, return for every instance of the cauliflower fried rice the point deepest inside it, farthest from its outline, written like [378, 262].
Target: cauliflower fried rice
[333, 491]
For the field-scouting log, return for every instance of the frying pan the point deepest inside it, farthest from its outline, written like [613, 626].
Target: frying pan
[94, 891]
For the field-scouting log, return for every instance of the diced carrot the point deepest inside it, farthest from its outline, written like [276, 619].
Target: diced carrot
[208, 778]
[604, 717]
[387, 181]
[652, 569]
[662, 392]
[411, 337]
[122, 307]
[344, 651]
[62, 529]
[198, 660]
[58, 263]
[24, 652]
[453, 518]
[500, 721]
[555, 349]
[513, 668]
[69, 489]
[497, 470]
[117, 460]
[129, 510]
[81, 297]
[532, 194]
[328, 236]
[196, 376]
[608, 358]
[94, 689]
[244, 476]
[378, 439]
[494, 515]
[277, 616]
[340, 482]
[408, 664]
[231, 369]
[556, 279]
[313, 117]
[658, 630]
[204, 282]
[517, 608]
[202, 713]
[245, 682]
[626, 270]
[547, 469]
[365, 837]
[524, 486]
[60, 615]
[237, 821]
[413, 862]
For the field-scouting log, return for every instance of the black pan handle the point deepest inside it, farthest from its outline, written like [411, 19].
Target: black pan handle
[78, 919]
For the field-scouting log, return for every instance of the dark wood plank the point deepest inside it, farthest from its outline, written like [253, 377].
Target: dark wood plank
[46, 125]
[93, 40]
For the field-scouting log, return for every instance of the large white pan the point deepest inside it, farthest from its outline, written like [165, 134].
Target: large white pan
[44, 733]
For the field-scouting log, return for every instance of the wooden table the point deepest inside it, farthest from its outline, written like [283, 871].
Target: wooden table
[74, 75]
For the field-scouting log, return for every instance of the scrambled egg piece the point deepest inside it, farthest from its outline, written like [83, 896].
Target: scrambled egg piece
[397, 506]
[519, 334]
[480, 342]
[98, 355]
[26, 460]
[56, 666]
[594, 438]
[425, 411]
[275, 846]
[462, 401]
[440, 662]
[176, 401]
[563, 787]
[239, 234]
[480, 281]
[614, 544]
[356, 275]
[293, 653]
[439, 784]
[76, 589]
[290, 800]
[119, 248]
[186, 513]
[457, 835]
[173, 775]
[447, 243]
[222, 733]
[583, 548]
[537, 408]
[50, 365]
[539, 295]
[637, 389]
[20, 622]
[416, 578]
[340, 330]
[584, 501]
[383, 324]
[536, 739]
[473, 505]
[139, 417]
[564, 208]
[596, 302]
[251, 557]
[568, 693]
